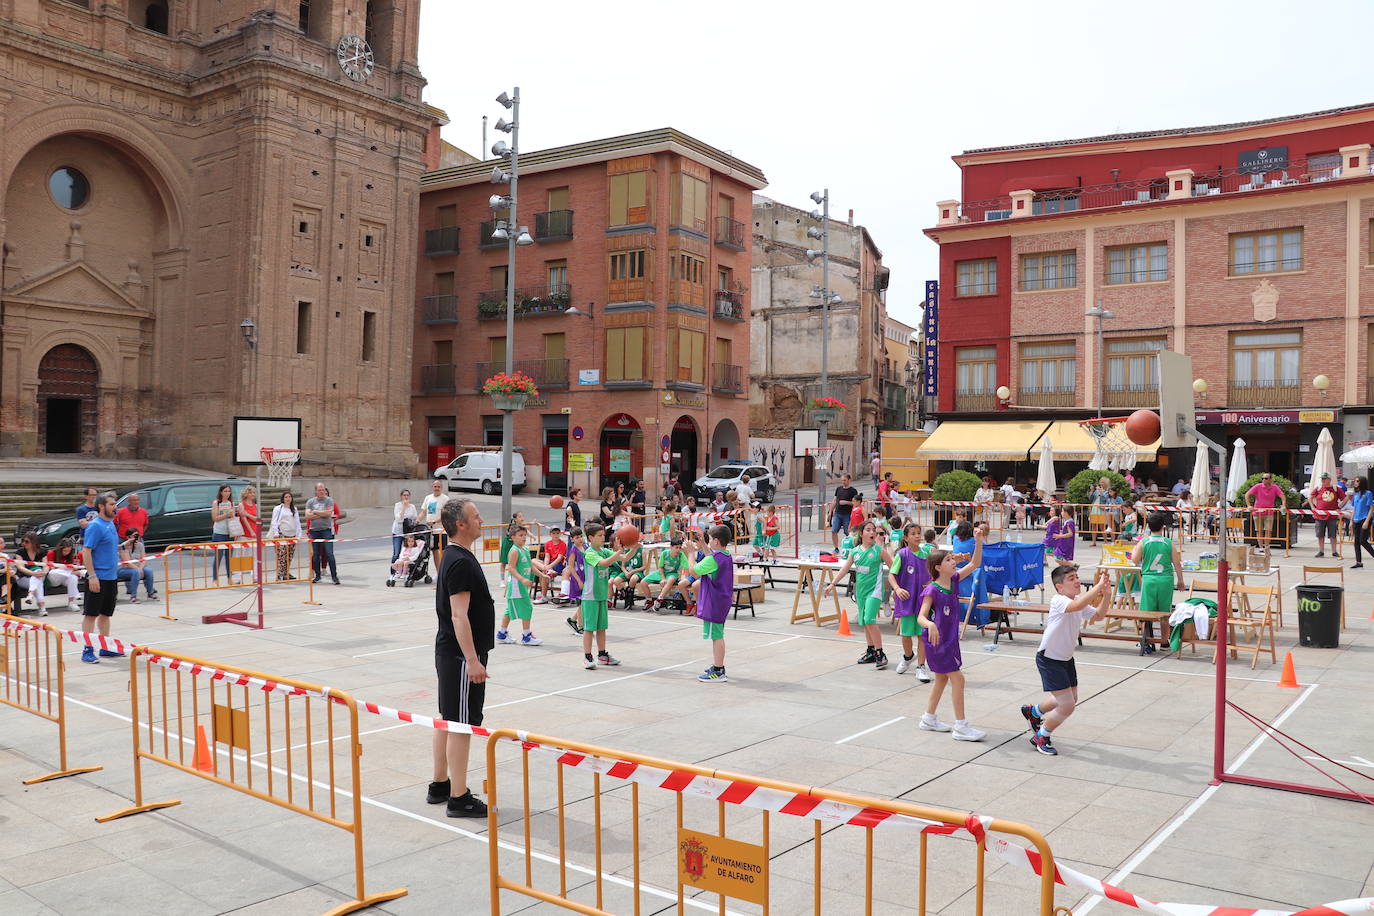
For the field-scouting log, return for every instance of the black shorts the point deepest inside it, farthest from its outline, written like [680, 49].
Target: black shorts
[1054, 674]
[460, 700]
[101, 603]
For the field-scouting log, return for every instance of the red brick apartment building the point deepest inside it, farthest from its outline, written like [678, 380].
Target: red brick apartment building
[1246, 246]
[645, 236]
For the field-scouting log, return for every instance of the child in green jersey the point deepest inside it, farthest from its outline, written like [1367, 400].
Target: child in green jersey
[665, 576]
[520, 583]
[597, 561]
[867, 560]
[1161, 564]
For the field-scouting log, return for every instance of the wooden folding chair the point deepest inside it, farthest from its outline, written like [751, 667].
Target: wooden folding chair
[1097, 527]
[1243, 615]
[1325, 571]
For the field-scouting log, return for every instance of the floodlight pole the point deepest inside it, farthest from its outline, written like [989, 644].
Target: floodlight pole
[824, 436]
[513, 230]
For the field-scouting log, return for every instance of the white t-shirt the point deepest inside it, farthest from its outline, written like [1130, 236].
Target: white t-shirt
[744, 493]
[1009, 492]
[433, 505]
[1062, 627]
[984, 495]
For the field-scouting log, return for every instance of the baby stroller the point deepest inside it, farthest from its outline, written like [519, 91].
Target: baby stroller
[419, 566]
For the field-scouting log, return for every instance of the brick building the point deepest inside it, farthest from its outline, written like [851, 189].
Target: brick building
[644, 235]
[900, 365]
[1246, 246]
[170, 170]
[786, 332]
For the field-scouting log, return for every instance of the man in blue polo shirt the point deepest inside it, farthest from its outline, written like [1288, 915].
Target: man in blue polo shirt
[100, 556]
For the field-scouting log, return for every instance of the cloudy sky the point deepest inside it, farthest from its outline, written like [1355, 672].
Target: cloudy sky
[872, 98]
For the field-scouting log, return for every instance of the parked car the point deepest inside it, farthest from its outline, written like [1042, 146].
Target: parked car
[482, 471]
[726, 477]
[178, 512]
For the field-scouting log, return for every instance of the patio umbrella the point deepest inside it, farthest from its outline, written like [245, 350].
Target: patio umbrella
[1324, 462]
[1235, 480]
[1202, 475]
[1044, 480]
[1361, 454]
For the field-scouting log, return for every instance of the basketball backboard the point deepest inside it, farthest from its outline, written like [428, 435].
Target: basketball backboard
[1175, 399]
[803, 439]
[253, 434]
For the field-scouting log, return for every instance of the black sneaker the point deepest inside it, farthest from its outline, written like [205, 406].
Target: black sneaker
[572, 625]
[1034, 720]
[869, 657]
[336, 581]
[467, 805]
[1040, 742]
[880, 660]
[438, 793]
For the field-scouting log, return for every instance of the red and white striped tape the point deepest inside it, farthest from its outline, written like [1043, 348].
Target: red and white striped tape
[92, 640]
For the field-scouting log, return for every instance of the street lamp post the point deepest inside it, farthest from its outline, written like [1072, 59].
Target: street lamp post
[506, 231]
[827, 297]
[1101, 315]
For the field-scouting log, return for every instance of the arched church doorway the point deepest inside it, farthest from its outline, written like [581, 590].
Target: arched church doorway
[68, 397]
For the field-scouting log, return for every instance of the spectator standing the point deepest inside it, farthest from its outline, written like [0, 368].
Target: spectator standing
[1327, 499]
[404, 511]
[286, 527]
[250, 520]
[639, 500]
[100, 556]
[840, 509]
[433, 506]
[222, 513]
[984, 497]
[319, 517]
[875, 467]
[885, 487]
[572, 513]
[1266, 495]
[86, 511]
[1360, 501]
[744, 491]
[132, 515]
[132, 567]
[610, 507]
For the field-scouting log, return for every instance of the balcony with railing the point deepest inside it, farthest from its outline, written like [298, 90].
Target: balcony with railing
[1126, 193]
[548, 374]
[975, 400]
[1264, 393]
[729, 233]
[443, 240]
[553, 225]
[442, 309]
[437, 379]
[1131, 396]
[484, 239]
[1046, 397]
[530, 301]
[729, 304]
[727, 378]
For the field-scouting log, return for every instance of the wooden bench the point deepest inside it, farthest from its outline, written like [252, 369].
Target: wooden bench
[1004, 625]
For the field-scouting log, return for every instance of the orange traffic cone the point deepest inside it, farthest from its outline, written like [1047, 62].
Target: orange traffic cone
[203, 762]
[844, 625]
[1288, 678]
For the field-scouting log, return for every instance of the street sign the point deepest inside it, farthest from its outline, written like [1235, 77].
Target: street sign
[931, 326]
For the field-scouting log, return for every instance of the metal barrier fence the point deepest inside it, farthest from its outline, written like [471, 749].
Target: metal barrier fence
[32, 679]
[709, 857]
[193, 567]
[175, 699]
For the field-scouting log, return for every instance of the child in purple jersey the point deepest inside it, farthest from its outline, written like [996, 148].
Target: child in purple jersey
[908, 576]
[939, 616]
[1060, 535]
[716, 578]
[577, 574]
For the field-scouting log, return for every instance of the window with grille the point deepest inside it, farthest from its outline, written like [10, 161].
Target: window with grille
[976, 370]
[1266, 360]
[1131, 364]
[1138, 263]
[1268, 252]
[1056, 270]
[1050, 368]
[976, 278]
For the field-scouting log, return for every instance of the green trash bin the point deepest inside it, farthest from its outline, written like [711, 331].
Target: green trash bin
[1319, 616]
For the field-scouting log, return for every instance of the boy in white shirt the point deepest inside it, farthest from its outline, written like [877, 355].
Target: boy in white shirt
[1070, 608]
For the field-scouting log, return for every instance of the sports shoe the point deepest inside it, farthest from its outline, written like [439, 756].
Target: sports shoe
[1320, 553]
[42, 610]
[88, 656]
[505, 637]
[869, 657]
[968, 733]
[572, 625]
[904, 665]
[923, 674]
[133, 599]
[880, 660]
[931, 723]
[337, 582]
[529, 639]
[591, 663]
[1034, 720]
[713, 676]
[466, 805]
[110, 653]
[1042, 744]
[74, 605]
[606, 658]
[438, 793]
[152, 596]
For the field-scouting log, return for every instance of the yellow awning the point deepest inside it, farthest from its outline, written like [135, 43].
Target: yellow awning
[983, 440]
[1074, 443]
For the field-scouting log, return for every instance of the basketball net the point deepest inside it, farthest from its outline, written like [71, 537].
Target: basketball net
[280, 462]
[822, 456]
[1113, 449]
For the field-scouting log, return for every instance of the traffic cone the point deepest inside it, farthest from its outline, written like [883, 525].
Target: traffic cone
[203, 762]
[1288, 678]
[844, 625]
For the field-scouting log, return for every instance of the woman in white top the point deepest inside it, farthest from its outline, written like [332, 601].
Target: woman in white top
[402, 512]
[222, 510]
[286, 526]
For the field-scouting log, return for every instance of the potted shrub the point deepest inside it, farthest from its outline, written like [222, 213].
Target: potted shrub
[510, 392]
[825, 410]
[953, 486]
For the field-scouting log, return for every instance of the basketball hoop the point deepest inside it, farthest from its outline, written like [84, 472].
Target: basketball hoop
[821, 456]
[280, 462]
[1113, 448]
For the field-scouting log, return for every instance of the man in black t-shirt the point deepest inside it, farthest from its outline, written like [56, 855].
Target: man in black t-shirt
[467, 624]
[840, 509]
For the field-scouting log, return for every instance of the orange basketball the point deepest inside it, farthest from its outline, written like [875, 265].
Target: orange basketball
[555, 502]
[627, 537]
[1142, 427]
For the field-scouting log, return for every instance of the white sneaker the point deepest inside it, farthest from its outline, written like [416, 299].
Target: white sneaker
[931, 723]
[73, 604]
[503, 636]
[529, 639]
[903, 665]
[968, 733]
[42, 610]
[923, 674]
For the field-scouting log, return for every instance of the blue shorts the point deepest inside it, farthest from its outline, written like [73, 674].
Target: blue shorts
[1054, 674]
[839, 522]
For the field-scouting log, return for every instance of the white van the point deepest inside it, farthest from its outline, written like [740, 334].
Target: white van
[482, 471]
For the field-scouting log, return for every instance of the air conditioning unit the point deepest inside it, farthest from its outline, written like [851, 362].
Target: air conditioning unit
[991, 215]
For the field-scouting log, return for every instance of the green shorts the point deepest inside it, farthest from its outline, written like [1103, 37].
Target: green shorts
[772, 540]
[654, 577]
[711, 630]
[868, 609]
[520, 608]
[1157, 593]
[594, 615]
[909, 626]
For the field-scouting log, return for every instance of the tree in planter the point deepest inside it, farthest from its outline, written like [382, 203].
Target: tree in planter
[1080, 488]
[956, 486]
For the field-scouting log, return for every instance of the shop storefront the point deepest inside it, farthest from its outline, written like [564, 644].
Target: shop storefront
[1282, 442]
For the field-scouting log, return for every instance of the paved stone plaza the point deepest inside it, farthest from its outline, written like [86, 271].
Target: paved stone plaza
[1129, 791]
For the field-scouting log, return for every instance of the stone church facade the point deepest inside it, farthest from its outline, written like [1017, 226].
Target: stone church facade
[172, 170]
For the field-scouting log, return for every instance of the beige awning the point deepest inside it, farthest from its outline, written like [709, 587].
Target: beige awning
[984, 440]
[1074, 443]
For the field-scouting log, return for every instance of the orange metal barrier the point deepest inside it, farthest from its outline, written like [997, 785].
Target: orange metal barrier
[190, 567]
[713, 856]
[32, 680]
[176, 700]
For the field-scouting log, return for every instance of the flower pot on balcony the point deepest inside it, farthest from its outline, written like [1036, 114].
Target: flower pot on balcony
[825, 414]
[512, 401]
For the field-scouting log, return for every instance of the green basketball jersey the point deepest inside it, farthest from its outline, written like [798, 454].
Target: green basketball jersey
[868, 565]
[668, 564]
[1157, 557]
[514, 587]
